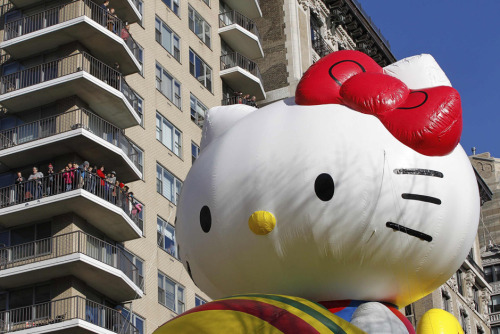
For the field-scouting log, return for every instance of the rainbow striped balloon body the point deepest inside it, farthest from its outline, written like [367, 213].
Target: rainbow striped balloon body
[265, 313]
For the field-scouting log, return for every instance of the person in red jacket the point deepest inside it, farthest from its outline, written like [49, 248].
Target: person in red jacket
[68, 177]
[102, 175]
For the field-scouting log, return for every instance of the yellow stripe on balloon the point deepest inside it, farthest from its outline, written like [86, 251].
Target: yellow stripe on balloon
[318, 325]
[212, 321]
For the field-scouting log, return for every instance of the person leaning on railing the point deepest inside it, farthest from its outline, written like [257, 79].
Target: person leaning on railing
[19, 182]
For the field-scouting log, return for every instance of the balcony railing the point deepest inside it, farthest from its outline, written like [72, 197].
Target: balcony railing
[62, 13]
[494, 317]
[235, 100]
[235, 59]
[62, 182]
[71, 120]
[66, 244]
[60, 310]
[233, 17]
[66, 66]
[319, 44]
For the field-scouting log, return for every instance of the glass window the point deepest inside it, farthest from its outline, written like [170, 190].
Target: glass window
[200, 70]
[167, 184]
[136, 320]
[140, 8]
[168, 39]
[199, 301]
[446, 301]
[195, 152]
[463, 321]
[166, 237]
[140, 158]
[488, 274]
[199, 26]
[139, 265]
[138, 107]
[168, 135]
[168, 85]
[173, 5]
[198, 111]
[459, 282]
[173, 294]
[475, 292]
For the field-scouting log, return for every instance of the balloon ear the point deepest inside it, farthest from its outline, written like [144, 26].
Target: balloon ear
[418, 72]
[219, 119]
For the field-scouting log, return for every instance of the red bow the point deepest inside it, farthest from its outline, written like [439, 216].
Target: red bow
[427, 120]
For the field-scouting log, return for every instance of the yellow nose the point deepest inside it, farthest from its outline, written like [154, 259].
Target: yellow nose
[261, 222]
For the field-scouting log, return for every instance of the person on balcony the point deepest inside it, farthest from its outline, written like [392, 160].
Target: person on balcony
[68, 177]
[36, 184]
[83, 169]
[77, 174]
[111, 180]
[111, 20]
[19, 182]
[50, 180]
[125, 33]
[253, 102]
[102, 176]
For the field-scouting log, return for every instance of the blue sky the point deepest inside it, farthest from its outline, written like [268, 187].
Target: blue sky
[464, 37]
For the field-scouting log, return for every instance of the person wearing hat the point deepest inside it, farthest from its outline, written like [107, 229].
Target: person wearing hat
[50, 180]
[83, 173]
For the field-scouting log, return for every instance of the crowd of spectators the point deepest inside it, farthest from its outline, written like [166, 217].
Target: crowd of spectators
[245, 99]
[73, 176]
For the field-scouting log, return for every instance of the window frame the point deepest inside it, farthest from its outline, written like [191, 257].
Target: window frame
[194, 112]
[202, 301]
[161, 243]
[173, 5]
[176, 182]
[174, 131]
[179, 293]
[193, 67]
[176, 97]
[194, 149]
[193, 18]
[174, 36]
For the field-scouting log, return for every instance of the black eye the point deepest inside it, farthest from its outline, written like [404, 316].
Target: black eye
[324, 187]
[205, 219]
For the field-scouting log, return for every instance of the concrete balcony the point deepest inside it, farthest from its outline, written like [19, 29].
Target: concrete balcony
[249, 8]
[242, 75]
[99, 264]
[114, 213]
[241, 34]
[127, 10]
[81, 20]
[79, 131]
[73, 315]
[100, 86]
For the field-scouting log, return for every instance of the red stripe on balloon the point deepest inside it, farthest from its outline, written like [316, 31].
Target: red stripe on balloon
[275, 316]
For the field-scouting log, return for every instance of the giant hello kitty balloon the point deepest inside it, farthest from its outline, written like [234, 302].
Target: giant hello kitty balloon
[356, 189]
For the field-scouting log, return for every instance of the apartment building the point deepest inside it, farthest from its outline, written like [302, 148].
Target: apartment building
[124, 85]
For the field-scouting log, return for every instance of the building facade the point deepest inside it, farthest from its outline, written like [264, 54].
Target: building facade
[489, 231]
[297, 33]
[122, 86]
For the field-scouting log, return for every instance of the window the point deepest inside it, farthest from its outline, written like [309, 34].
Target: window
[446, 301]
[199, 301]
[39, 294]
[463, 321]
[138, 105]
[168, 85]
[138, 263]
[495, 330]
[173, 5]
[492, 273]
[475, 293]
[140, 158]
[139, 55]
[140, 8]
[198, 111]
[136, 320]
[200, 70]
[195, 152]
[207, 2]
[199, 26]
[166, 237]
[35, 241]
[167, 184]
[459, 282]
[168, 135]
[170, 294]
[168, 39]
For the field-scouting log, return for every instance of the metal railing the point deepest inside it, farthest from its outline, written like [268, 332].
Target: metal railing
[234, 59]
[60, 310]
[69, 180]
[65, 66]
[62, 13]
[71, 120]
[66, 244]
[319, 44]
[369, 19]
[236, 100]
[233, 17]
